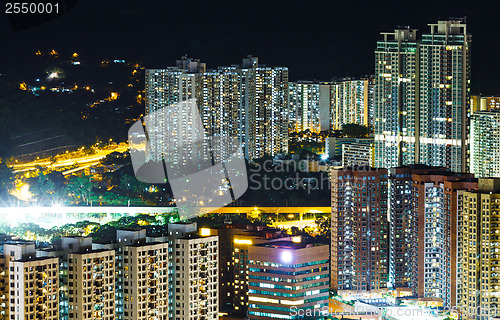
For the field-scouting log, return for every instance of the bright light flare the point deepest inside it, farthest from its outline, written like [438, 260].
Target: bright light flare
[53, 75]
[286, 256]
[22, 193]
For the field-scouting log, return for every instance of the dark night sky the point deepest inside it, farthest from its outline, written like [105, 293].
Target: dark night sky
[316, 40]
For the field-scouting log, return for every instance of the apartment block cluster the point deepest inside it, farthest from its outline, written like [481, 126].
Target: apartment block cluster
[175, 276]
[257, 105]
[418, 104]
[265, 273]
[421, 218]
[189, 273]
[423, 231]
[415, 208]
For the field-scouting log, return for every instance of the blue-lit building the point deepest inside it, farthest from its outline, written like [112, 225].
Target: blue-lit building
[288, 280]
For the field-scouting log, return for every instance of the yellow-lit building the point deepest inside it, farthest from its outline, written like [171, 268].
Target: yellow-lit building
[91, 293]
[145, 281]
[479, 103]
[196, 278]
[478, 286]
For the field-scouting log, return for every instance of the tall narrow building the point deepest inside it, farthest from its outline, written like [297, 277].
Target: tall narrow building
[351, 102]
[142, 277]
[193, 273]
[422, 97]
[90, 279]
[265, 95]
[434, 260]
[359, 229]
[304, 107]
[485, 144]
[309, 106]
[478, 292]
[396, 121]
[444, 76]
[173, 99]
[33, 283]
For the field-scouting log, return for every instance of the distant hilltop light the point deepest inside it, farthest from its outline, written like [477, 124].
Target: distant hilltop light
[53, 75]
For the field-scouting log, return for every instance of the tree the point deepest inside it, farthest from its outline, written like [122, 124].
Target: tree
[324, 225]
[6, 179]
[80, 188]
[355, 130]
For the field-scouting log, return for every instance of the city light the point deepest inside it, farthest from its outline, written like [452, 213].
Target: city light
[243, 241]
[286, 256]
[205, 232]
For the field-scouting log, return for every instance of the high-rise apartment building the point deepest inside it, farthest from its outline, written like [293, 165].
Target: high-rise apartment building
[142, 276]
[478, 247]
[88, 280]
[434, 233]
[359, 229]
[285, 276]
[225, 250]
[266, 99]
[351, 102]
[401, 222]
[33, 283]
[173, 99]
[309, 106]
[485, 144]
[396, 99]
[194, 273]
[196, 278]
[247, 103]
[421, 97]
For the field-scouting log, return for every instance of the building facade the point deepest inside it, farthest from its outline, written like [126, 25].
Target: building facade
[32, 282]
[91, 284]
[396, 99]
[144, 281]
[485, 144]
[351, 102]
[434, 233]
[286, 276]
[357, 154]
[359, 229]
[486, 103]
[266, 100]
[309, 106]
[422, 97]
[196, 278]
[478, 272]
[186, 104]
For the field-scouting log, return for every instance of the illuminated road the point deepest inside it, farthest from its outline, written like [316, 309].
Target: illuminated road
[82, 161]
[275, 210]
[60, 215]
[48, 217]
[301, 224]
